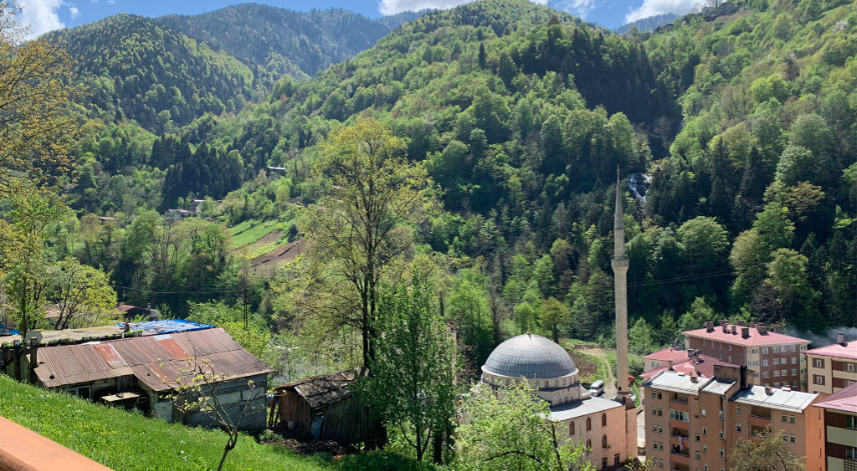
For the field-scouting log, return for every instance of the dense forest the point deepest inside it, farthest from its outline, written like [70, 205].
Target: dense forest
[743, 124]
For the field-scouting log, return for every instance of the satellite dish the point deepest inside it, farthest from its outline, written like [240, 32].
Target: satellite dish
[34, 338]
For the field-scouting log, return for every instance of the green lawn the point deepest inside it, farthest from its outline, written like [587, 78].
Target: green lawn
[128, 441]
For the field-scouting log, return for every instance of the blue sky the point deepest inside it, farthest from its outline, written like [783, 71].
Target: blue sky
[46, 15]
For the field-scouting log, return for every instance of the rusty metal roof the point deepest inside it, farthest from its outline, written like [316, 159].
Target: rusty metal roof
[323, 390]
[156, 361]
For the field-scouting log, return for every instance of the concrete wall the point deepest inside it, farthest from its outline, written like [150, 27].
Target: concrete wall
[232, 396]
[619, 435]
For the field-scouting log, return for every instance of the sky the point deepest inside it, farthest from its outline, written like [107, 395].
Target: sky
[42, 16]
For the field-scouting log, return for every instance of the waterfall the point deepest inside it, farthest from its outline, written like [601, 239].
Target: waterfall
[638, 183]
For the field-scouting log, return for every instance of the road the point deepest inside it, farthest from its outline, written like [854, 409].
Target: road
[610, 390]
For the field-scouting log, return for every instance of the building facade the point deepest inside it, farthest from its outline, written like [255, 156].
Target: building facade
[840, 431]
[693, 423]
[775, 359]
[832, 368]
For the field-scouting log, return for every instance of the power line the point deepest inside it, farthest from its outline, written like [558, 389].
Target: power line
[682, 279]
[179, 292]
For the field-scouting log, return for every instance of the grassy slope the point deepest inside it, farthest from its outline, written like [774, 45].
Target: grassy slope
[129, 442]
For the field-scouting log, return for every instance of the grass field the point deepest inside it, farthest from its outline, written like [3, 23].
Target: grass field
[127, 441]
[252, 230]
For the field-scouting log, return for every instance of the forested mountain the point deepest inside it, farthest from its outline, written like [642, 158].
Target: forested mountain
[649, 23]
[165, 72]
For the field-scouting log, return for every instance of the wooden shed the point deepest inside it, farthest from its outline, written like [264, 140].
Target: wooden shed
[325, 407]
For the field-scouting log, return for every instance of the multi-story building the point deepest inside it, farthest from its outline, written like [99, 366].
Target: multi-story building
[832, 368]
[689, 362]
[663, 357]
[840, 431]
[692, 423]
[774, 358]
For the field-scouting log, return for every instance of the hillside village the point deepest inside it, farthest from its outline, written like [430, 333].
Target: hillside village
[486, 237]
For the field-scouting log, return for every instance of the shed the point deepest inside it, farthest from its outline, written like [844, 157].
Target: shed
[326, 407]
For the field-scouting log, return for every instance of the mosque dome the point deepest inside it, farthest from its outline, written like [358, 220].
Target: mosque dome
[530, 356]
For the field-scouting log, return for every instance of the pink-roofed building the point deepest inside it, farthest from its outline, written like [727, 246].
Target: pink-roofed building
[774, 358]
[840, 429]
[690, 363]
[662, 357]
[832, 368]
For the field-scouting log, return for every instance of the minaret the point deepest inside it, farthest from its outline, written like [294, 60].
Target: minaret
[620, 270]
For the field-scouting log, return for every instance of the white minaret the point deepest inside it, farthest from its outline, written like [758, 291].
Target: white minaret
[620, 270]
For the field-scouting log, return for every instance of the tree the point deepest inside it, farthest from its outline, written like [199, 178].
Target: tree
[82, 294]
[197, 390]
[360, 231]
[510, 429]
[766, 451]
[554, 318]
[412, 383]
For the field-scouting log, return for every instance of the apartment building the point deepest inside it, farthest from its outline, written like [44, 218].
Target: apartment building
[689, 362]
[663, 357]
[840, 420]
[692, 423]
[775, 359]
[832, 368]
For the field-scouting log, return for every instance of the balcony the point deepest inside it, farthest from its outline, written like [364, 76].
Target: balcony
[680, 457]
[680, 433]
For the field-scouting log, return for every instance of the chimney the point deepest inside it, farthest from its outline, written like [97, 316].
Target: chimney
[694, 379]
[740, 323]
[840, 338]
[725, 325]
[769, 390]
[709, 326]
[763, 329]
[778, 328]
[787, 388]
[745, 332]
[752, 325]
[670, 363]
[734, 329]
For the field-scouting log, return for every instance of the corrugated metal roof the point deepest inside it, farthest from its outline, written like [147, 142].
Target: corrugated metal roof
[155, 361]
[718, 386]
[845, 400]
[791, 401]
[583, 407]
[677, 382]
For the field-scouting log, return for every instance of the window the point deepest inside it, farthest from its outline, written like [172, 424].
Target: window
[589, 445]
[738, 427]
[737, 409]
[794, 384]
[766, 374]
[655, 428]
[697, 438]
[765, 350]
[721, 454]
[603, 441]
[604, 463]
[730, 358]
[603, 420]
[754, 362]
[679, 415]
[818, 379]
[850, 367]
[784, 373]
[660, 412]
[721, 434]
[703, 412]
[791, 419]
[764, 362]
[616, 459]
[777, 384]
[704, 431]
[706, 466]
[776, 373]
[705, 448]
[654, 395]
[660, 396]
[851, 452]
[792, 348]
[754, 350]
[794, 372]
[654, 411]
[661, 464]
[792, 439]
[660, 429]
[720, 415]
[851, 421]
[654, 445]
[818, 363]
[588, 423]
[776, 361]
[698, 456]
[571, 428]
[794, 360]
[776, 349]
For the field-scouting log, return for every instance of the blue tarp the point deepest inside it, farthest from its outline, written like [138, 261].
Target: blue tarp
[4, 330]
[167, 326]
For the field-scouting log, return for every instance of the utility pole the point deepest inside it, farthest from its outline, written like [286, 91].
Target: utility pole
[246, 309]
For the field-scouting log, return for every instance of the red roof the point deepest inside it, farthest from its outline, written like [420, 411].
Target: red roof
[667, 354]
[704, 368]
[845, 400]
[846, 350]
[755, 338]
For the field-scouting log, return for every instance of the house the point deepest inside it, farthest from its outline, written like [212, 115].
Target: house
[143, 371]
[694, 422]
[173, 215]
[662, 357]
[840, 432]
[130, 312]
[773, 357]
[832, 368]
[325, 407]
[691, 362]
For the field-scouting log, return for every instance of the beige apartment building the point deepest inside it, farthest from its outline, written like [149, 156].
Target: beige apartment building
[775, 359]
[692, 423]
[840, 420]
[832, 368]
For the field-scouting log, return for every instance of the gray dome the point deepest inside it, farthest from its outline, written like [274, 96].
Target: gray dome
[530, 356]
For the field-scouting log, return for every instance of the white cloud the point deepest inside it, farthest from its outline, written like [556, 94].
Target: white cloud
[391, 7]
[73, 11]
[40, 16]
[659, 7]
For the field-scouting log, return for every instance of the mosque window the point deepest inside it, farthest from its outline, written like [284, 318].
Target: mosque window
[603, 420]
[571, 428]
[603, 441]
[588, 423]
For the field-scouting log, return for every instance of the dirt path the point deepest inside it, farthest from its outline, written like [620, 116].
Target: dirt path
[610, 390]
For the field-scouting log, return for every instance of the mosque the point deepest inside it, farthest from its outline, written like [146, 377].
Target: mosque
[607, 427]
